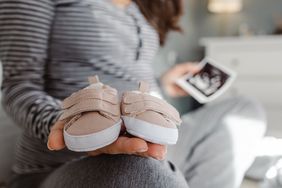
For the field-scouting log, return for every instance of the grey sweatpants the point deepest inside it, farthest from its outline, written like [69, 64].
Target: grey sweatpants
[215, 148]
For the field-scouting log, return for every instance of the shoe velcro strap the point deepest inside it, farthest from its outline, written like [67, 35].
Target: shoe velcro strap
[131, 97]
[144, 86]
[104, 95]
[135, 103]
[91, 105]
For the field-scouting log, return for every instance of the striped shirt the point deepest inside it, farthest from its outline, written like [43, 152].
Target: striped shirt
[48, 49]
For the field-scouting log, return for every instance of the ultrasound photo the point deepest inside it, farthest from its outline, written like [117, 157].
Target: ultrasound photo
[208, 80]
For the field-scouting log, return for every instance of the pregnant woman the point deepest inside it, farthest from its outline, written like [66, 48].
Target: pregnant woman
[48, 48]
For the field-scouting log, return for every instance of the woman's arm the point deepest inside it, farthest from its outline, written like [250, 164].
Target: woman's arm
[24, 34]
[168, 79]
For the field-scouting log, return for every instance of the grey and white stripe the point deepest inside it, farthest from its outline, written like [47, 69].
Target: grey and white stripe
[48, 49]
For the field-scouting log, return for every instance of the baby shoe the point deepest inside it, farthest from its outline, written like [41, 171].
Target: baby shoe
[149, 117]
[92, 117]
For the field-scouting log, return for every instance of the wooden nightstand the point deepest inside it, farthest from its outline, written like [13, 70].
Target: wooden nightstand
[258, 62]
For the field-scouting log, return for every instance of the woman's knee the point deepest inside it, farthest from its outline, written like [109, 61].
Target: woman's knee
[247, 106]
[238, 111]
[116, 171]
[148, 172]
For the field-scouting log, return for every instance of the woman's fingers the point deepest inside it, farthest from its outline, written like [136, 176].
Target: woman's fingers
[169, 78]
[185, 68]
[125, 145]
[56, 139]
[155, 151]
[136, 146]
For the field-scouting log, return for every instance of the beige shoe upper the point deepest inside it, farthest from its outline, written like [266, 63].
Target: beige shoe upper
[143, 106]
[91, 109]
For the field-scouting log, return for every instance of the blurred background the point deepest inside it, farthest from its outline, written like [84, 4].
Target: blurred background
[244, 35]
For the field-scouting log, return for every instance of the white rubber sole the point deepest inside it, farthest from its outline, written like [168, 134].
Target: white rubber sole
[91, 142]
[150, 132]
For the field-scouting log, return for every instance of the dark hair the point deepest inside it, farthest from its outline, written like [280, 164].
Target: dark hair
[163, 15]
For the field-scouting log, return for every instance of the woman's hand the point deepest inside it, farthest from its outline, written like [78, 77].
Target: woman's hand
[123, 145]
[179, 70]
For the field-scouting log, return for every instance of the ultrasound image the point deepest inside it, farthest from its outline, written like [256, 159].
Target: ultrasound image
[209, 80]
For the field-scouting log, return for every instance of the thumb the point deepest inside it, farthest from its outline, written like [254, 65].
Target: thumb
[56, 139]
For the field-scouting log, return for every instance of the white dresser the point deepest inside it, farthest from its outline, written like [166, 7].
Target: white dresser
[258, 63]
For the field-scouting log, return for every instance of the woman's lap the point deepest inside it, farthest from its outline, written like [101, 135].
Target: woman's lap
[209, 149]
[217, 142]
[32, 180]
[111, 171]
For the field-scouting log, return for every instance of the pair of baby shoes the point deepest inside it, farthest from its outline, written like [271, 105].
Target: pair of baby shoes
[93, 117]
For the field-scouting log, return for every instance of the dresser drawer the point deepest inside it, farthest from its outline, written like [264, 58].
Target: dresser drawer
[274, 122]
[269, 93]
[252, 63]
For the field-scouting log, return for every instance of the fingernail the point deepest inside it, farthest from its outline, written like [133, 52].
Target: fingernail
[160, 157]
[142, 150]
[49, 147]
[165, 151]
